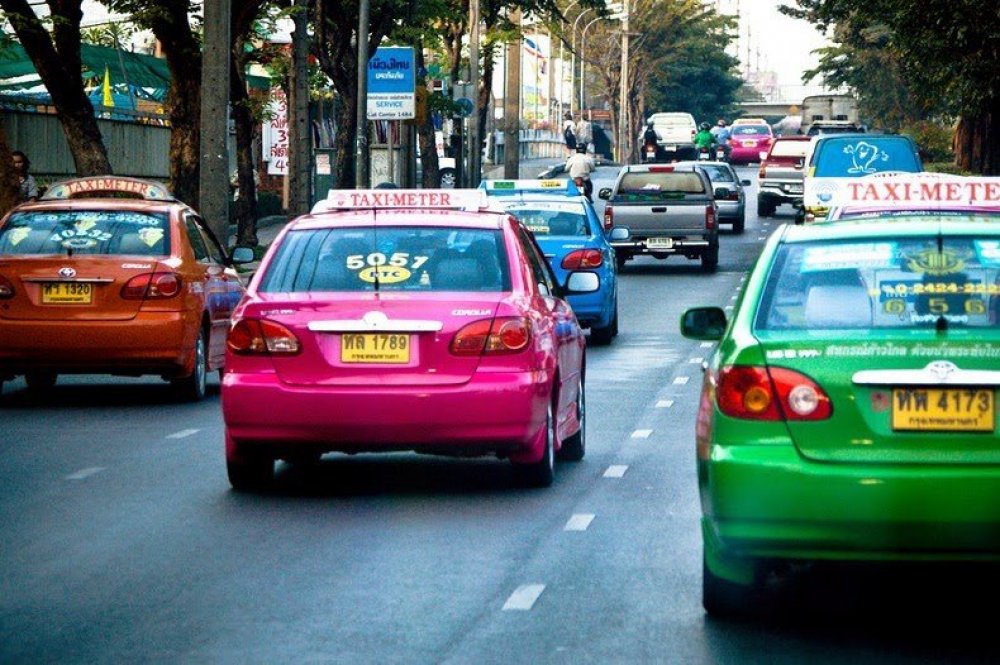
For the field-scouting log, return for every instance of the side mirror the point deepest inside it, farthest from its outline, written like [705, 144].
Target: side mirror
[604, 193]
[242, 255]
[582, 282]
[703, 323]
[721, 192]
[763, 155]
[620, 233]
[745, 183]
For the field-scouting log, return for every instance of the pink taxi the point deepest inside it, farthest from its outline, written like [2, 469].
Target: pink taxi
[392, 320]
[747, 141]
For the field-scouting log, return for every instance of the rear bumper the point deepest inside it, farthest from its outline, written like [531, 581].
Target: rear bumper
[493, 412]
[767, 502]
[779, 191]
[729, 211]
[691, 246]
[745, 155]
[151, 343]
[594, 309]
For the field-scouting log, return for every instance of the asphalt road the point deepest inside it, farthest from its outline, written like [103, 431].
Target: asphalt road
[122, 542]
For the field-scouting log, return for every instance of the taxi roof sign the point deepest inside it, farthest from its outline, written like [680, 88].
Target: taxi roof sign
[426, 199]
[919, 191]
[108, 187]
[564, 186]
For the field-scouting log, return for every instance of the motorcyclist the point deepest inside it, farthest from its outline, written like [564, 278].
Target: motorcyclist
[581, 165]
[704, 139]
[721, 132]
[650, 138]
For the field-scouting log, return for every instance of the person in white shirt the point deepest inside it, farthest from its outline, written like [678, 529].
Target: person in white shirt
[584, 133]
[580, 166]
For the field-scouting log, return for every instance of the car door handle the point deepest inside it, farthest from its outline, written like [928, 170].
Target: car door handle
[659, 209]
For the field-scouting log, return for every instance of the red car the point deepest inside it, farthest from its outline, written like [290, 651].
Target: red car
[746, 142]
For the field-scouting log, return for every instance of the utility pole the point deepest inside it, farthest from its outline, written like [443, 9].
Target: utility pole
[512, 106]
[299, 139]
[362, 177]
[213, 182]
[475, 140]
[624, 153]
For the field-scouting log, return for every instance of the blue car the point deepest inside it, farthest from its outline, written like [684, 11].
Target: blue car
[570, 234]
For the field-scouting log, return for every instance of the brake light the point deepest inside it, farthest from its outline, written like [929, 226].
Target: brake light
[762, 171]
[260, 336]
[485, 337]
[154, 285]
[709, 217]
[661, 169]
[770, 393]
[6, 288]
[583, 259]
[609, 217]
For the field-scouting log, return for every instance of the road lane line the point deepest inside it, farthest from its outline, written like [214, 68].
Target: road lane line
[579, 522]
[681, 380]
[616, 471]
[524, 597]
[696, 361]
[707, 345]
[664, 404]
[85, 473]
[728, 307]
[641, 433]
[183, 433]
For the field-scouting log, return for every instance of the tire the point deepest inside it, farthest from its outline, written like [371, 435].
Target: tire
[192, 388]
[765, 208]
[446, 178]
[710, 260]
[575, 447]
[40, 383]
[614, 321]
[722, 598]
[620, 261]
[250, 473]
[740, 224]
[602, 336]
[542, 472]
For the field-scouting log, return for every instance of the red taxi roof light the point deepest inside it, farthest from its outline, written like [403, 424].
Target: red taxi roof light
[770, 393]
[499, 336]
[6, 288]
[261, 337]
[152, 285]
[583, 259]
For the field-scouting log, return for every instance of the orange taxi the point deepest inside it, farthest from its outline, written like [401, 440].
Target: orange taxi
[112, 275]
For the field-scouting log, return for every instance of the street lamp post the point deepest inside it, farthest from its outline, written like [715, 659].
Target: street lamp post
[572, 68]
[583, 64]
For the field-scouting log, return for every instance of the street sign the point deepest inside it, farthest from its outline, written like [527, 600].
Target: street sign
[465, 106]
[391, 84]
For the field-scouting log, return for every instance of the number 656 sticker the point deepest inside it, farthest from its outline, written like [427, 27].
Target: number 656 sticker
[392, 269]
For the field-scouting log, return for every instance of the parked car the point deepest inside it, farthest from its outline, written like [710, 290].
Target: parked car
[662, 211]
[849, 411]
[782, 169]
[112, 275]
[405, 320]
[730, 197]
[567, 228]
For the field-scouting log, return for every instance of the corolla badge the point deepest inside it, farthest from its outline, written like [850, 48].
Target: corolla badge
[67, 273]
[863, 155]
[941, 369]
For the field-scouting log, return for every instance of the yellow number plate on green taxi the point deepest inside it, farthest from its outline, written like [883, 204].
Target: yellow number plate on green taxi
[67, 293]
[375, 348]
[943, 409]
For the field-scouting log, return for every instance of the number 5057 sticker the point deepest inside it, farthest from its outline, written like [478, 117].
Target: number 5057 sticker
[392, 269]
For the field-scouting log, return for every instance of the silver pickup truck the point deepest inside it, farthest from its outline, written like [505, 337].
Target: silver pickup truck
[661, 211]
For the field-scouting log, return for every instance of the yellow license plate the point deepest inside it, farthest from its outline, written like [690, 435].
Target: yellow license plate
[380, 348]
[943, 409]
[67, 293]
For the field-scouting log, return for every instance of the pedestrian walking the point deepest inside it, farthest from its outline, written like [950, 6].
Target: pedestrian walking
[584, 133]
[569, 133]
[27, 187]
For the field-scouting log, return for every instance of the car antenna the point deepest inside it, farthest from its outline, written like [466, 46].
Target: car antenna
[942, 325]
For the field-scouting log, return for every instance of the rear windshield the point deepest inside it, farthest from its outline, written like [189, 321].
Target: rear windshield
[659, 185]
[106, 232]
[856, 156]
[789, 148]
[718, 173]
[871, 284]
[552, 219]
[672, 120]
[742, 130]
[389, 259]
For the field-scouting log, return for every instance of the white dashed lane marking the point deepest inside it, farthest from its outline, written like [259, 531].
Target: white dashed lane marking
[616, 471]
[579, 522]
[641, 433]
[696, 361]
[681, 380]
[664, 404]
[524, 597]
[85, 473]
[183, 433]
[707, 345]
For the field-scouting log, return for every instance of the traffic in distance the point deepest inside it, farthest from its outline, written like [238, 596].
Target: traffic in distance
[848, 405]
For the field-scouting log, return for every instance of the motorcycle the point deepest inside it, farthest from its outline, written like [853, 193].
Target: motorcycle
[704, 154]
[720, 153]
[649, 152]
[585, 186]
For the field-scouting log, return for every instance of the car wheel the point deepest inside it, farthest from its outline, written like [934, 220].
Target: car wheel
[447, 178]
[710, 260]
[722, 598]
[192, 388]
[575, 447]
[740, 224]
[614, 322]
[602, 336]
[542, 472]
[765, 208]
[250, 473]
[40, 383]
[620, 261]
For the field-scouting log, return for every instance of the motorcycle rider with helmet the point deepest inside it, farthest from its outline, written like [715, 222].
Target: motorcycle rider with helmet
[650, 139]
[579, 167]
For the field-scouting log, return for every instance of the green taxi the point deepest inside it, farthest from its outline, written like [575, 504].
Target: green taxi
[849, 411]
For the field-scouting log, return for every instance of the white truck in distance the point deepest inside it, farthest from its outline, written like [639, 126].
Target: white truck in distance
[825, 114]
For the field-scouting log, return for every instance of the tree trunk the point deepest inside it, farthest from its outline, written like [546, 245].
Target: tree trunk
[485, 90]
[343, 143]
[977, 142]
[430, 175]
[57, 61]
[246, 204]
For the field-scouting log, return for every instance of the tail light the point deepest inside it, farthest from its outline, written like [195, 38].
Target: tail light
[733, 196]
[253, 336]
[709, 217]
[609, 217]
[770, 393]
[762, 171]
[6, 288]
[154, 285]
[583, 259]
[499, 336]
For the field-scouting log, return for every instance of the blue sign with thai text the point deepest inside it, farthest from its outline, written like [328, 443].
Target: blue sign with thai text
[392, 71]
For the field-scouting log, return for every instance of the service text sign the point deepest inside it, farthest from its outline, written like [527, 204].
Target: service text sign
[392, 84]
